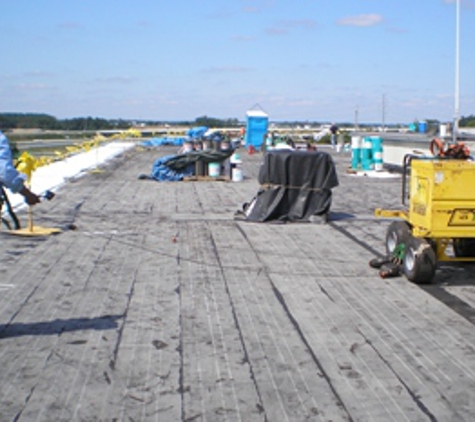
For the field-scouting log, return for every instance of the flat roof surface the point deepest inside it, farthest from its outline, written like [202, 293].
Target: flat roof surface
[155, 304]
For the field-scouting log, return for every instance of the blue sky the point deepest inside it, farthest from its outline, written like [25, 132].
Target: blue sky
[316, 60]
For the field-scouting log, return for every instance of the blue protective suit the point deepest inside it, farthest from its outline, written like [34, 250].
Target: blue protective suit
[9, 175]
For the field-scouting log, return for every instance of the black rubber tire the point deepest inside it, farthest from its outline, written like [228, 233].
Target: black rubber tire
[464, 247]
[420, 261]
[433, 245]
[398, 232]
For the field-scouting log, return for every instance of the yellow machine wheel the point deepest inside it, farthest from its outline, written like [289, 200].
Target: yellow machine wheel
[420, 261]
[398, 232]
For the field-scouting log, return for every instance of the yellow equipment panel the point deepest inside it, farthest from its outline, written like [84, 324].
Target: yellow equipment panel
[442, 198]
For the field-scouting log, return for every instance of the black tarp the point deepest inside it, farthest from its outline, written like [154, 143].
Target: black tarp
[175, 167]
[179, 162]
[295, 185]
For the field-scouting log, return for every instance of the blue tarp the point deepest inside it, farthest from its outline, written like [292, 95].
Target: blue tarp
[162, 172]
[156, 142]
[197, 132]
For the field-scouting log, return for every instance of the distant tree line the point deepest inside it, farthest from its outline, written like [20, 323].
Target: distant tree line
[211, 122]
[468, 121]
[47, 122]
[214, 122]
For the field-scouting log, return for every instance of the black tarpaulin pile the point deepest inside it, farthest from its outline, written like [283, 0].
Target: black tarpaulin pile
[295, 186]
[176, 167]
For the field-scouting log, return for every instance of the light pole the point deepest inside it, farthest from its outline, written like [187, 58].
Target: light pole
[457, 72]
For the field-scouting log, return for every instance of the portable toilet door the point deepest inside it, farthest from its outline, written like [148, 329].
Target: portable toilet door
[257, 123]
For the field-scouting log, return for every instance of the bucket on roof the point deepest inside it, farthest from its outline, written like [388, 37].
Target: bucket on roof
[366, 154]
[236, 174]
[355, 152]
[377, 152]
[214, 169]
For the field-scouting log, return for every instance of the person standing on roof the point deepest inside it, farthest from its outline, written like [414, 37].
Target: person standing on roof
[334, 131]
[10, 177]
[269, 141]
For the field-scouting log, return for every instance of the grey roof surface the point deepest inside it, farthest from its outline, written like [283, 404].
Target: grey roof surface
[161, 306]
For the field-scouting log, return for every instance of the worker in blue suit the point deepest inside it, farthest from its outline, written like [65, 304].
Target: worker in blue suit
[10, 177]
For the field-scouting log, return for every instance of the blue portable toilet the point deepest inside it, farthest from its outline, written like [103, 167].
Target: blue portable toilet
[422, 127]
[257, 124]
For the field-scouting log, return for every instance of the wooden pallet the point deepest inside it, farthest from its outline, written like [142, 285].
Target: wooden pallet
[206, 179]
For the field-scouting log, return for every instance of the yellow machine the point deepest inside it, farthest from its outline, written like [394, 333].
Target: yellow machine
[439, 222]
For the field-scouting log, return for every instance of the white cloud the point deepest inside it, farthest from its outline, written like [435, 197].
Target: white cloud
[33, 87]
[121, 80]
[256, 6]
[277, 31]
[38, 74]
[361, 20]
[299, 23]
[284, 26]
[227, 69]
[70, 25]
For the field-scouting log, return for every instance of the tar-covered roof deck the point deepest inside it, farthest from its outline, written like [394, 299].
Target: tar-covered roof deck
[161, 307]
